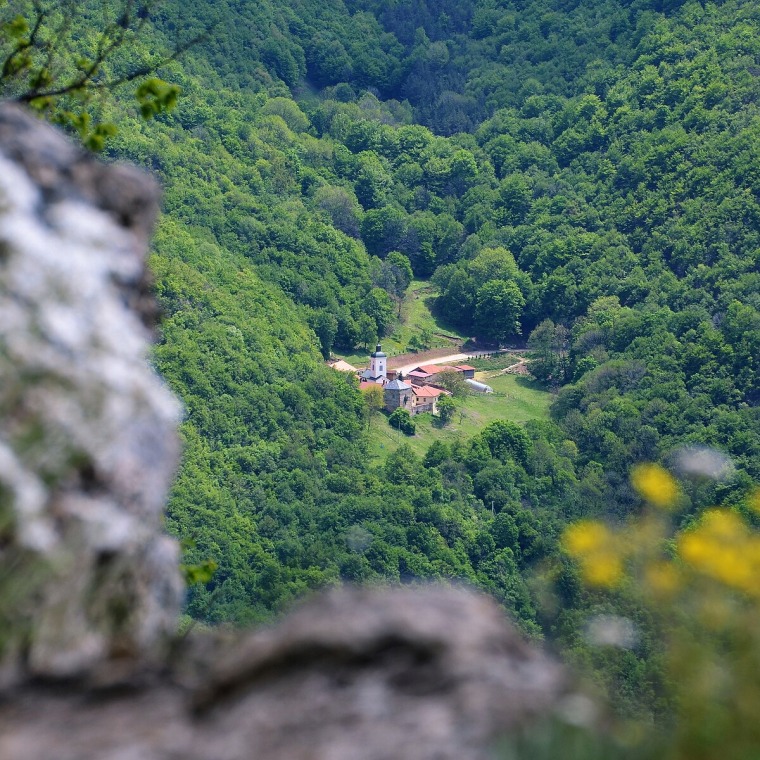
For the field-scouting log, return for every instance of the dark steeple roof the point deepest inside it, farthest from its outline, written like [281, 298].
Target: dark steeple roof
[378, 353]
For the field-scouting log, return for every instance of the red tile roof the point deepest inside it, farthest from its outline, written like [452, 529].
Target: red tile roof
[434, 369]
[465, 366]
[365, 385]
[425, 391]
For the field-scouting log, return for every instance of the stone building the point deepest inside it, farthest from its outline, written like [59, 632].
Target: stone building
[416, 399]
[399, 394]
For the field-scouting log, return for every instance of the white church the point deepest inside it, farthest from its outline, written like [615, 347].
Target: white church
[414, 398]
[378, 368]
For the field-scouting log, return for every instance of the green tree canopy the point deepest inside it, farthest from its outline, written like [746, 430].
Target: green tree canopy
[498, 308]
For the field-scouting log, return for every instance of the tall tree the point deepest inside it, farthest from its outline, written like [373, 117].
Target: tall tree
[498, 307]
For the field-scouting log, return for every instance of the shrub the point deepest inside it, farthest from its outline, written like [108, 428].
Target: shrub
[401, 420]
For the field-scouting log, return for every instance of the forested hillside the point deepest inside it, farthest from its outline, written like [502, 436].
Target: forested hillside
[583, 175]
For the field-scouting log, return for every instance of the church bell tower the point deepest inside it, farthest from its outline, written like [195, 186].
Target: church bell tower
[378, 362]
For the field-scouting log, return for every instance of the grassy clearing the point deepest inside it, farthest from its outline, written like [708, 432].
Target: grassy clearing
[499, 361]
[417, 328]
[515, 398]
[418, 321]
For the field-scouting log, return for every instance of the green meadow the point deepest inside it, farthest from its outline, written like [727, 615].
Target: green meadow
[515, 398]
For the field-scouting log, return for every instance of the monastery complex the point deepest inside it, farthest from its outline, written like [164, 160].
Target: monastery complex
[417, 392]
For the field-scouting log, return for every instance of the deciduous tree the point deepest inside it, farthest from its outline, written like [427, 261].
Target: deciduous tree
[49, 65]
[446, 409]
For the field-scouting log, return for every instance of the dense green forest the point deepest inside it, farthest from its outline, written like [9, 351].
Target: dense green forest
[584, 176]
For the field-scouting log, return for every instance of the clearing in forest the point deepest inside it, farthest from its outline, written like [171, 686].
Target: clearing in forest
[515, 398]
[417, 330]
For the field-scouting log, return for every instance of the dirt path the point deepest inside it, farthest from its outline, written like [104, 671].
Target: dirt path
[402, 361]
[433, 356]
[519, 368]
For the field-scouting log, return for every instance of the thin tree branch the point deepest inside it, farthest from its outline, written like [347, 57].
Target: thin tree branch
[131, 19]
[145, 70]
[23, 45]
[107, 44]
[85, 81]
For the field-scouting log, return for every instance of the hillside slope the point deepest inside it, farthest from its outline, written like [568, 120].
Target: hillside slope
[595, 165]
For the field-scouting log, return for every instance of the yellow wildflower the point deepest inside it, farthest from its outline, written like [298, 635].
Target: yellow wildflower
[695, 548]
[724, 525]
[582, 538]
[655, 484]
[662, 578]
[734, 569]
[602, 568]
[594, 546]
[723, 548]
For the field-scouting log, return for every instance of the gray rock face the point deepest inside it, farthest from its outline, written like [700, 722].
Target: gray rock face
[89, 586]
[382, 675]
[404, 674]
[87, 431]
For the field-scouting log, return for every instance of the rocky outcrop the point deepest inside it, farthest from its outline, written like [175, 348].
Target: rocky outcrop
[417, 674]
[87, 431]
[89, 585]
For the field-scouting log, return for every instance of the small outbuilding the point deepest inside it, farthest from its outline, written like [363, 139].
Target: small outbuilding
[397, 394]
[479, 387]
[343, 366]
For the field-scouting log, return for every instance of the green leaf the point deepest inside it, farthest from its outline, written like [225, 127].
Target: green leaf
[156, 96]
[200, 573]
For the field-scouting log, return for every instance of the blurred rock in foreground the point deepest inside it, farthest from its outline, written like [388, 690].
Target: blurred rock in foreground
[88, 444]
[89, 585]
[350, 675]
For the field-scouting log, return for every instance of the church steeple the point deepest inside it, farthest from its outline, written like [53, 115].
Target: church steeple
[378, 362]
